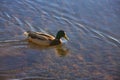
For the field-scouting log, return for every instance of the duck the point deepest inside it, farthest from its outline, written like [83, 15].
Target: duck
[44, 39]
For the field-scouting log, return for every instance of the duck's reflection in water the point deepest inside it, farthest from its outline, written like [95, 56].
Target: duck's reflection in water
[61, 49]
[38, 47]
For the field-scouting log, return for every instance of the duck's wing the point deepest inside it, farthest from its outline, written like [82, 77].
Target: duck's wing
[40, 36]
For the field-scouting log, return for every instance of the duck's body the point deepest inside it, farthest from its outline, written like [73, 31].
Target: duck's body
[44, 38]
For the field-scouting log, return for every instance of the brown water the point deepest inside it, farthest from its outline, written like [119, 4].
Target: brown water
[92, 53]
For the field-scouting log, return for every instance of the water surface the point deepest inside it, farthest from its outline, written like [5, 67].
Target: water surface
[92, 53]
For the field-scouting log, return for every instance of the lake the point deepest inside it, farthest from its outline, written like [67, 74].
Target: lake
[93, 49]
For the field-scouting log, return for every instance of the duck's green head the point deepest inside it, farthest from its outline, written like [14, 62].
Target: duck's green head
[61, 34]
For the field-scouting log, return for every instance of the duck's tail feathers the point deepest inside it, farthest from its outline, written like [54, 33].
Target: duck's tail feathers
[26, 33]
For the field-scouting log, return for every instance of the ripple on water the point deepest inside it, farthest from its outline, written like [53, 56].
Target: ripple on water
[106, 37]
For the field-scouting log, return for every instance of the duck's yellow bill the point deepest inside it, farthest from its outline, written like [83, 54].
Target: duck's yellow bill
[66, 37]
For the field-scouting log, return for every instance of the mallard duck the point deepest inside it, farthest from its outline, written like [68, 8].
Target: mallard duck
[45, 39]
